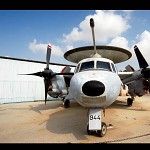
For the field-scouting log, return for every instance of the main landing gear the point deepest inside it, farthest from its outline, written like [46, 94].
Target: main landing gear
[66, 103]
[95, 126]
[130, 101]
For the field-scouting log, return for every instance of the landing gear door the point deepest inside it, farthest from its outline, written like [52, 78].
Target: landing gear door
[94, 119]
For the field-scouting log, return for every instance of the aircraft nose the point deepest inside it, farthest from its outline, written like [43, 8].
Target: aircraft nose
[93, 88]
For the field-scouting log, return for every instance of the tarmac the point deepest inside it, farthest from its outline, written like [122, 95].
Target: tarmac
[35, 122]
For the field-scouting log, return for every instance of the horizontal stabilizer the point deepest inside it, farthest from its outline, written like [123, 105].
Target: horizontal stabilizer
[129, 68]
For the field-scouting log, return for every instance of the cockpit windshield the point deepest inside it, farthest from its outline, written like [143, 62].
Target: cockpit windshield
[103, 65]
[87, 65]
[96, 64]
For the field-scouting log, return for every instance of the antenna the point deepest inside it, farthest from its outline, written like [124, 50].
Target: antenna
[93, 35]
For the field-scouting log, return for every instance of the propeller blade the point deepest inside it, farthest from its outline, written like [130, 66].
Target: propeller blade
[40, 74]
[67, 73]
[149, 83]
[48, 56]
[141, 60]
[146, 72]
[47, 82]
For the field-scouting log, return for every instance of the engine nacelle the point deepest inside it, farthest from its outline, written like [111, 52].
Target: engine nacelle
[57, 88]
[138, 87]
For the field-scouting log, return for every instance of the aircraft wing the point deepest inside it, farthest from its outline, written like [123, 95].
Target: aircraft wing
[124, 75]
[127, 77]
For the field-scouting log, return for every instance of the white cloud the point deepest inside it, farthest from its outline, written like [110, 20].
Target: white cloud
[144, 45]
[108, 25]
[120, 42]
[69, 47]
[40, 47]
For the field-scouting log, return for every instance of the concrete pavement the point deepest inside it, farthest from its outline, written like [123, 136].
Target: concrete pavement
[35, 122]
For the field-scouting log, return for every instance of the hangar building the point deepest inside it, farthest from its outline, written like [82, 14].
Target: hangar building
[22, 88]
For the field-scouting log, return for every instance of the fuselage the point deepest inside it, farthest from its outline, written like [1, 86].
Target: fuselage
[95, 83]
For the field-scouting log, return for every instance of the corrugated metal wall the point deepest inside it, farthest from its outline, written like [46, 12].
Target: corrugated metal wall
[21, 88]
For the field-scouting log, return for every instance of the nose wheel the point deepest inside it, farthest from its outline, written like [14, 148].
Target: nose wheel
[103, 130]
[99, 133]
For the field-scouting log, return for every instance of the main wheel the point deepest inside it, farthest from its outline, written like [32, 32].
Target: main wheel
[129, 101]
[66, 103]
[103, 130]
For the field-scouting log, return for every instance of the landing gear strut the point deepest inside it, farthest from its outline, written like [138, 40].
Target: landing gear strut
[95, 126]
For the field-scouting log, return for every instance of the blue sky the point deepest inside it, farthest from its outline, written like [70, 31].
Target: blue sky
[26, 33]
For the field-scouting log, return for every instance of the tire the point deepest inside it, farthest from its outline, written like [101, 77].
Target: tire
[90, 132]
[103, 130]
[87, 129]
[66, 103]
[129, 101]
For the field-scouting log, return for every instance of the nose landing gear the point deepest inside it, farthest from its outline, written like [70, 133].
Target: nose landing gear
[95, 126]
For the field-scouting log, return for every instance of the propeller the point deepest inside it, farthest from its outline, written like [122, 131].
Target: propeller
[48, 74]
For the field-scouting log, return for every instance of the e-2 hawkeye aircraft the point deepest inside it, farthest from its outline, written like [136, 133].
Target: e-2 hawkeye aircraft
[95, 83]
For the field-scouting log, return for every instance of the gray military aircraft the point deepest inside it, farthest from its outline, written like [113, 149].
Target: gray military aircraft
[95, 83]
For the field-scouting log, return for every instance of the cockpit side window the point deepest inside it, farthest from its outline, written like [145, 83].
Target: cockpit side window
[103, 65]
[87, 65]
[77, 68]
[113, 67]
